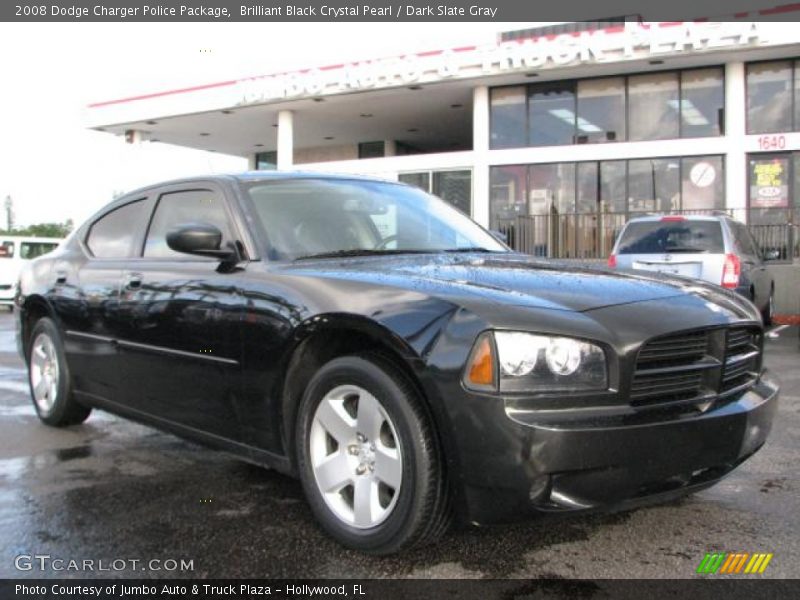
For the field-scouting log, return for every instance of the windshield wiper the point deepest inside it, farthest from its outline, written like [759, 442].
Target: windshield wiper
[360, 252]
[468, 249]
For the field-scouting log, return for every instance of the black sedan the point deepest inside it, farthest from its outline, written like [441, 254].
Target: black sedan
[403, 363]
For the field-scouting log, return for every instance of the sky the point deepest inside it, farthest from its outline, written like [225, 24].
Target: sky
[54, 168]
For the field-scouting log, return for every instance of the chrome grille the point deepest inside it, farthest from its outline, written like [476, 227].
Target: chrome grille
[666, 369]
[673, 350]
[695, 365]
[741, 358]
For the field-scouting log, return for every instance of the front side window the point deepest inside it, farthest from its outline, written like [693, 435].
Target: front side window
[307, 217]
[112, 236]
[182, 208]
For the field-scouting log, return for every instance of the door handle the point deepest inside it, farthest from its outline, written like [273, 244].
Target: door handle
[133, 281]
[61, 277]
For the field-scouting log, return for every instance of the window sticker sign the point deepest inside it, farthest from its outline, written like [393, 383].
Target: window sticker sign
[769, 183]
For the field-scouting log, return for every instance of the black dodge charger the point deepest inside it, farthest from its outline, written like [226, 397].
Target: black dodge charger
[402, 362]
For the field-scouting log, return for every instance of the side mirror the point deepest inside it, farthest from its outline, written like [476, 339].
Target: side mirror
[201, 239]
[772, 254]
[500, 236]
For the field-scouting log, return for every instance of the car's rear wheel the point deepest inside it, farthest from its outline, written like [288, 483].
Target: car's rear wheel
[49, 378]
[368, 458]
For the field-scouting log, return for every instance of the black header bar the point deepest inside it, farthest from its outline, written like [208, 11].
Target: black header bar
[389, 10]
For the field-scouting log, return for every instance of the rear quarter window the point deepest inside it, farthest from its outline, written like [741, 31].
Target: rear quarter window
[664, 237]
[112, 235]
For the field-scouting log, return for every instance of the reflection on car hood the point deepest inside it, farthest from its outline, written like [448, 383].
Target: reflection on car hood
[510, 279]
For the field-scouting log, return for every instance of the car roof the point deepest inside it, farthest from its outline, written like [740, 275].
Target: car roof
[253, 176]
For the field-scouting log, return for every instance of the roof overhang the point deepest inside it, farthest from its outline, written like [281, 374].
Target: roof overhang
[425, 98]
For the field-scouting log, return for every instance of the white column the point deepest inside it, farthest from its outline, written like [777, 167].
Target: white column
[251, 162]
[735, 157]
[389, 148]
[480, 151]
[285, 140]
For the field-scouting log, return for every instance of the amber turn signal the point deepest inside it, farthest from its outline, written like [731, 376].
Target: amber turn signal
[481, 365]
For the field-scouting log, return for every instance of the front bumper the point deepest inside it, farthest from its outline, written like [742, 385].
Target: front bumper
[524, 467]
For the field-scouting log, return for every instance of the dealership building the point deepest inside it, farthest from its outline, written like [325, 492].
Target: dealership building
[554, 135]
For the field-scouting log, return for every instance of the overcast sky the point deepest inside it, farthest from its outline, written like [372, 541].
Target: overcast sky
[54, 168]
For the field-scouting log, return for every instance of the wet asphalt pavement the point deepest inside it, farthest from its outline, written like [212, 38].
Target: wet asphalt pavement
[110, 490]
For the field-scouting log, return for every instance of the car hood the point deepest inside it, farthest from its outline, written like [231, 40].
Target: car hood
[506, 279]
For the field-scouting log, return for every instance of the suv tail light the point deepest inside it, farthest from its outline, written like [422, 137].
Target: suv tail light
[731, 271]
[612, 261]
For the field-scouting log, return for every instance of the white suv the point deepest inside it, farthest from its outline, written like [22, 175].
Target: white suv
[717, 249]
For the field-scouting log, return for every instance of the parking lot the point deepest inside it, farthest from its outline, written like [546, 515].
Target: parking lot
[110, 490]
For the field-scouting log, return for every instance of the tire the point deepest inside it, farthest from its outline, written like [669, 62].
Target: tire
[368, 459]
[769, 310]
[49, 378]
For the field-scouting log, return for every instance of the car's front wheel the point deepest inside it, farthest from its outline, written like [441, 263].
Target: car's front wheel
[49, 378]
[368, 458]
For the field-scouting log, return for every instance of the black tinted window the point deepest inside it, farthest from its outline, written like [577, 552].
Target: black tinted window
[30, 250]
[659, 237]
[112, 236]
[744, 241]
[181, 208]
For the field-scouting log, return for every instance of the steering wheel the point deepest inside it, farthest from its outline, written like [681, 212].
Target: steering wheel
[385, 242]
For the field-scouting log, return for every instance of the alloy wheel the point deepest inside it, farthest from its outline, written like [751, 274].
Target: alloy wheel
[356, 456]
[44, 372]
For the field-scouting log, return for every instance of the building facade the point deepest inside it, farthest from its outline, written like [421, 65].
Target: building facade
[555, 136]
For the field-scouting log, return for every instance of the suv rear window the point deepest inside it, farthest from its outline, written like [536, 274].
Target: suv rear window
[661, 237]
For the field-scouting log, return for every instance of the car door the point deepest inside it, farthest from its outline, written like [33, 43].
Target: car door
[753, 269]
[181, 344]
[85, 295]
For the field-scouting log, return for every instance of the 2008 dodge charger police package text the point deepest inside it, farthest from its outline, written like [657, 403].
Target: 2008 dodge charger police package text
[404, 364]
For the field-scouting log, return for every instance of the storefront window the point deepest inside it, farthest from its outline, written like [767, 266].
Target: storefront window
[507, 198]
[769, 198]
[508, 118]
[455, 187]
[769, 97]
[421, 180]
[613, 186]
[702, 102]
[588, 183]
[702, 184]
[601, 110]
[266, 161]
[653, 185]
[653, 106]
[552, 116]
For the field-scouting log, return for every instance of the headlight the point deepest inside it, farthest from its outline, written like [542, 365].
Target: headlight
[526, 362]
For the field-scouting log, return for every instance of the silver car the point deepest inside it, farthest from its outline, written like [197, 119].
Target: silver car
[717, 249]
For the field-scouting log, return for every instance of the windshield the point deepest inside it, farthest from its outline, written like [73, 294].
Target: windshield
[305, 218]
[664, 237]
